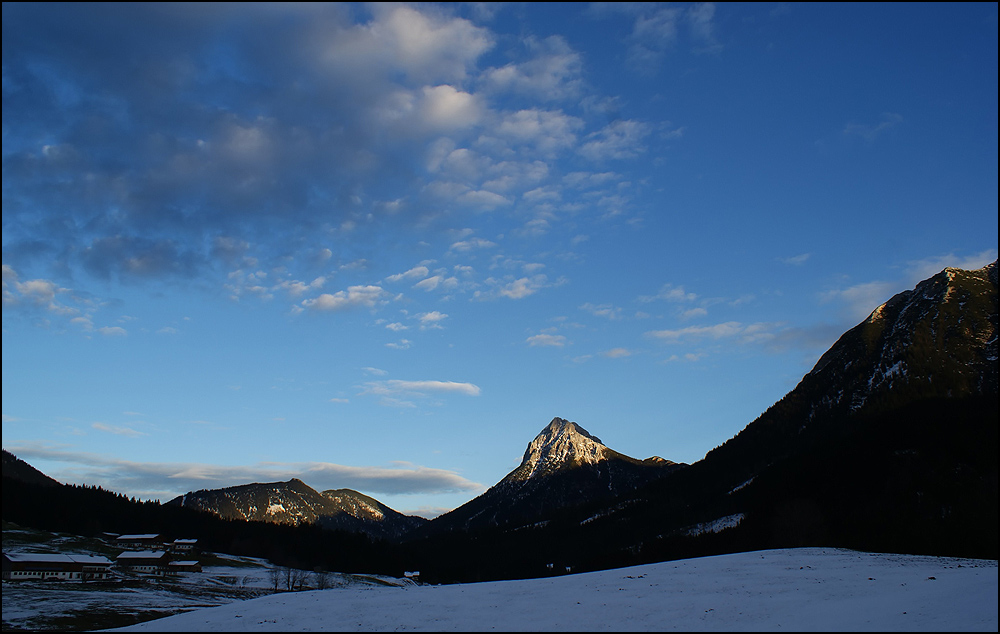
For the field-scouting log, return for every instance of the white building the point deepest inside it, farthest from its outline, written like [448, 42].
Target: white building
[24, 566]
[151, 562]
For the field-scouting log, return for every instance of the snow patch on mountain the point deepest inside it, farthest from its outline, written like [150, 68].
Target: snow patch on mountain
[714, 526]
[561, 443]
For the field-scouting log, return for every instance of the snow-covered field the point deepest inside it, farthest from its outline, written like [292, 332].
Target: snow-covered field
[789, 589]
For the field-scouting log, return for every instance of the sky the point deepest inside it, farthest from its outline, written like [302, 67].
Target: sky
[381, 246]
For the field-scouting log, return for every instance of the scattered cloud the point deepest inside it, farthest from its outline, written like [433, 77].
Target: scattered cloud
[416, 273]
[469, 245]
[618, 140]
[670, 293]
[693, 313]
[861, 299]
[556, 341]
[617, 353]
[396, 393]
[919, 270]
[658, 28]
[870, 131]
[166, 480]
[603, 310]
[394, 386]
[551, 73]
[432, 319]
[119, 431]
[797, 260]
[519, 288]
[428, 512]
[353, 297]
[748, 333]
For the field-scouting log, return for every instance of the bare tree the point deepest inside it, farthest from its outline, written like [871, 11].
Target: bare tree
[275, 574]
[299, 578]
[321, 578]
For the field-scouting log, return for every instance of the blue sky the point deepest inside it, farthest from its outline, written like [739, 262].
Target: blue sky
[382, 246]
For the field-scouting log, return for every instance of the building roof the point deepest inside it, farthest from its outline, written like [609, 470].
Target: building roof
[144, 536]
[182, 542]
[184, 563]
[142, 554]
[55, 558]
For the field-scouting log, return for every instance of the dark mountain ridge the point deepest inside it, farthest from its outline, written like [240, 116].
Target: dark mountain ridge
[294, 502]
[562, 467]
[17, 469]
[888, 443]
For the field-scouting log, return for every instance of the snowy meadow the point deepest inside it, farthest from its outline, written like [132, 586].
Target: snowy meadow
[787, 589]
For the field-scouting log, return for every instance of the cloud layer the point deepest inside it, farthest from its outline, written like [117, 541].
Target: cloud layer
[167, 480]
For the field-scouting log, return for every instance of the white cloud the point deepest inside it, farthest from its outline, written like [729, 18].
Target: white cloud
[395, 388]
[474, 243]
[861, 299]
[515, 175]
[747, 333]
[167, 480]
[431, 319]
[603, 310]
[402, 344]
[296, 288]
[699, 17]
[920, 270]
[618, 140]
[541, 195]
[548, 131]
[482, 199]
[586, 180]
[39, 293]
[429, 284]
[416, 272]
[444, 108]
[617, 353]
[521, 288]
[797, 260]
[552, 74]
[113, 331]
[557, 341]
[869, 132]
[119, 431]
[693, 312]
[425, 45]
[353, 297]
[670, 293]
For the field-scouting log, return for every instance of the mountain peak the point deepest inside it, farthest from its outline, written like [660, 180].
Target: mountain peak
[560, 443]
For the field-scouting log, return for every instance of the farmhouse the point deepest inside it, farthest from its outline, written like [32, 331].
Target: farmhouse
[182, 545]
[153, 562]
[24, 566]
[146, 541]
[177, 567]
